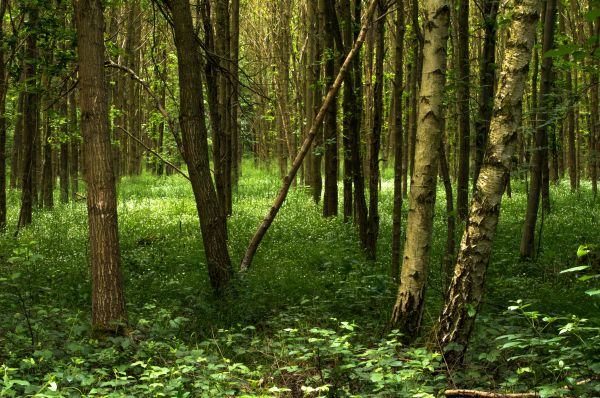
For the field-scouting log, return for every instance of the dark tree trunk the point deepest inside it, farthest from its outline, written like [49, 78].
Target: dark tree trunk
[63, 170]
[108, 301]
[3, 90]
[30, 120]
[17, 149]
[375, 137]
[47, 180]
[398, 141]
[330, 197]
[462, 98]
[74, 139]
[540, 157]
[486, 83]
[213, 222]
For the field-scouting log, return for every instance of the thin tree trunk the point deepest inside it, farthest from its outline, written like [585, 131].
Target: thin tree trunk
[30, 120]
[375, 137]
[3, 90]
[108, 301]
[540, 151]
[330, 196]
[64, 156]
[74, 139]
[398, 141]
[466, 288]
[408, 309]
[462, 98]
[487, 70]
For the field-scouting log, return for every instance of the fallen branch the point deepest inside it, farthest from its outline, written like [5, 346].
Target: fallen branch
[487, 394]
[152, 151]
[287, 180]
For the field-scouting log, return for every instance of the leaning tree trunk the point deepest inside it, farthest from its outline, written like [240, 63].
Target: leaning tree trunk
[539, 160]
[213, 222]
[408, 308]
[108, 301]
[466, 288]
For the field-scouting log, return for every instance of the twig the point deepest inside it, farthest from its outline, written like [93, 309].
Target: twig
[177, 169]
[157, 102]
[487, 394]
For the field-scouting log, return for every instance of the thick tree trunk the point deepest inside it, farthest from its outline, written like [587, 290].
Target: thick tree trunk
[398, 141]
[462, 99]
[487, 70]
[375, 137]
[108, 301]
[539, 161]
[408, 308]
[213, 222]
[466, 288]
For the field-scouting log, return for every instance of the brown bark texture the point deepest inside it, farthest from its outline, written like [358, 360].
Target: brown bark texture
[108, 301]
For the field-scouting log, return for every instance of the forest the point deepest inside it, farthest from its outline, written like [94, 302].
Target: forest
[299, 198]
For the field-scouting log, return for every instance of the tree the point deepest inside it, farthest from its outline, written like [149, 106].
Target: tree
[398, 140]
[375, 136]
[466, 288]
[330, 196]
[213, 222]
[539, 161]
[3, 90]
[30, 118]
[408, 308]
[108, 301]
[462, 98]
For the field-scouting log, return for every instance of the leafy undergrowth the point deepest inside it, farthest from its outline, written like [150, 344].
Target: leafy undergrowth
[308, 319]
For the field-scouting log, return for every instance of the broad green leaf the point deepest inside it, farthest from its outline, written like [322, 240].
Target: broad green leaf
[575, 269]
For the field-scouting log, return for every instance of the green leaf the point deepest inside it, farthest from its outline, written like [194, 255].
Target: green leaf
[593, 292]
[575, 269]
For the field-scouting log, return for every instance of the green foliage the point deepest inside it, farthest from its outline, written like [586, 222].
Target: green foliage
[307, 320]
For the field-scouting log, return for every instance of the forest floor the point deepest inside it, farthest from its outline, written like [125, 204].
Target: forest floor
[308, 319]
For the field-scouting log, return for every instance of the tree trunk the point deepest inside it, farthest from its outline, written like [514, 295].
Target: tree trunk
[108, 301]
[466, 288]
[74, 139]
[540, 154]
[487, 71]
[3, 90]
[330, 196]
[213, 222]
[17, 149]
[398, 141]
[47, 180]
[236, 147]
[30, 120]
[408, 309]
[375, 137]
[63, 170]
[462, 98]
